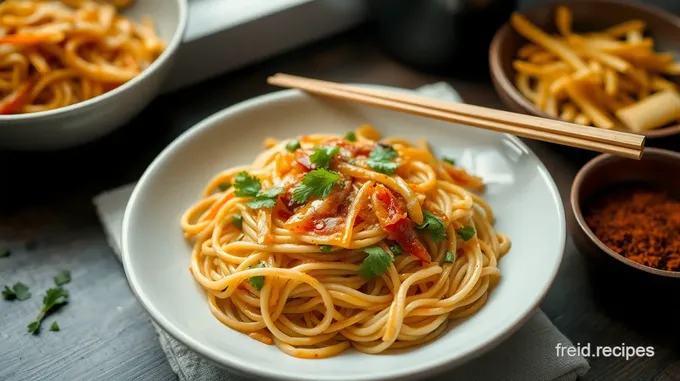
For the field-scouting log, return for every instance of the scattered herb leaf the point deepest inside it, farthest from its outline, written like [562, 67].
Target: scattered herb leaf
[19, 292]
[246, 185]
[4, 252]
[53, 299]
[351, 136]
[237, 220]
[258, 280]
[54, 327]
[450, 257]
[266, 198]
[467, 232]
[449, 160]
[396, 249]
[318, 182]
[376, 262]
[325, 248]
[321, 158]
[224, 186]
[434, 225]
[62, 278]
[293, 145]
[381, 159]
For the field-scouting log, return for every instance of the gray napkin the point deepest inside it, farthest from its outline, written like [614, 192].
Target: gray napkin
[529, 354]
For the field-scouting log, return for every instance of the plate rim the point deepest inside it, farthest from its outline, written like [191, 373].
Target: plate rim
[238, 365]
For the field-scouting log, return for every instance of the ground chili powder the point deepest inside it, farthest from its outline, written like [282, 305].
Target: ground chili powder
[640, 223]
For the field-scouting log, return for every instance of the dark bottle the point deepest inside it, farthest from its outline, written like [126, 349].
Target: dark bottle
[448, 37]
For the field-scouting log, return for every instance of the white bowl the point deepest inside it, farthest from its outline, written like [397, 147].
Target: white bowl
[156, 257]
[83, 122]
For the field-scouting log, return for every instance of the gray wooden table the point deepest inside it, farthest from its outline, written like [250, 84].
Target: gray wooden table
[48, 221]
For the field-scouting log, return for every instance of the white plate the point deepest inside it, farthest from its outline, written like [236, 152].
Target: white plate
[156, 256]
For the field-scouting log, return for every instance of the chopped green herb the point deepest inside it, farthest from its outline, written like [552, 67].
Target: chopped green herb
[258, 280]
[351, 136]
[246, 185]
[376, 262]
[466, 232]
[4, 252]
[318, 182]
[54, 298]
[224, 186]
[450, 257]
[54, 327]
[19, 292]
[62, 278]
[449, 160]
[381, 159]
[266, 198]
[293, 145]
[237, 220]
[321, 158]
[325, 248]
[395, 248]
[434, 225]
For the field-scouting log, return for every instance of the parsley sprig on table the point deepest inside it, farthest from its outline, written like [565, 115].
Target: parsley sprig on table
[19, 292]
[53, 299]
[376, 262]
[434, 226]
[381, 159]
[318, 182]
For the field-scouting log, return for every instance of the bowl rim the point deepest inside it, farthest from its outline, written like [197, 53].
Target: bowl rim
[576, 208]
[170, 49]
[509, 88]
[237, 364]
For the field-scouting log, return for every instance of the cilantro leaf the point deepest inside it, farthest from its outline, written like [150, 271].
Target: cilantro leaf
[381, 159]
[53, 299]
[376, 262]
[224, 186]
[19, 292]
[258, 280]
[395, 248]
[466, 232]
[449, 160]
[266, 198]
[351, 136]
[318, 182]
[62, 278]
[322, 156]
[293, 145]
[54, 327]
[246, 185]
[434, 225]
[4, 252]
[450, 257]
[237, 220]
[325, 248]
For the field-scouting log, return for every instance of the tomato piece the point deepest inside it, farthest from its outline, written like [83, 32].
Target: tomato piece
[391, 213]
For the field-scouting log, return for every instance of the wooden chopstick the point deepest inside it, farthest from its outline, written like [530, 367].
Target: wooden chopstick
[614, 142]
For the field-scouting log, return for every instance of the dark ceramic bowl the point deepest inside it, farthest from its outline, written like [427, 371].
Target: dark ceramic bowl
[588, 15]
[658, 168]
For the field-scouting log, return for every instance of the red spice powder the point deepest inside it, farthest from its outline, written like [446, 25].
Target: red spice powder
[642, 224]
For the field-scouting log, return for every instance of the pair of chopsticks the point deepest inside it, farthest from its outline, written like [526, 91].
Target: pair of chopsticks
[554, 131]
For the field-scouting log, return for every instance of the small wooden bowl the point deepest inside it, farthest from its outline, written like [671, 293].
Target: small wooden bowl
[657, 167]
[588, 15]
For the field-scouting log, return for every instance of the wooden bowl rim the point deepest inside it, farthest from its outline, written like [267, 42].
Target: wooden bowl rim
[507, 86]
[576, 186]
